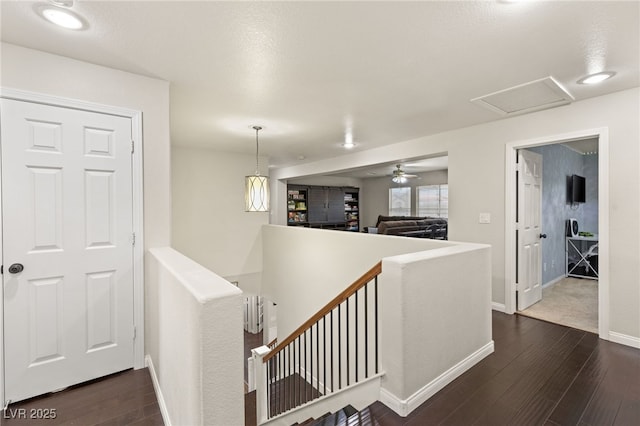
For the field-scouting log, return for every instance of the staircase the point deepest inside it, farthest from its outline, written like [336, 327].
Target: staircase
[347, 416]
[330, 358]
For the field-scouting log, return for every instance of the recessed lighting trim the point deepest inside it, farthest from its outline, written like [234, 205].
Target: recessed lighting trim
[62, 17]
[596, 78]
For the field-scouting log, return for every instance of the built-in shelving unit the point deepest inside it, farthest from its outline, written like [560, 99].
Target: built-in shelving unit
[326, 207]
[352, 209]
[297, 206]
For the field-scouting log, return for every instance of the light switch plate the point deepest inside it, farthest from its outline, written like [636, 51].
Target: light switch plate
[485, 218]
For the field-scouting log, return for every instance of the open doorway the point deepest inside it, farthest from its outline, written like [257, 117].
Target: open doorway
[581, 274]
[569, 235]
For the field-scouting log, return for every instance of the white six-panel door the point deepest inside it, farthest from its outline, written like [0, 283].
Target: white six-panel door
[529, 229]
[67, 218]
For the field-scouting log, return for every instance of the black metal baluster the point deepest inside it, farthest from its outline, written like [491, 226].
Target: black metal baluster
[318, 358]
[290, 378]
[268, 389]
[339, 348]
[324, 352]
[296, 395]
[281, 382]
[366, 331]
[304, 379]
[278, 389]
[355, 296]
[293, 374]
[376, 319]
[288, 382]
[332, 388]
[347, 342]
[284, 380]
[311, 358]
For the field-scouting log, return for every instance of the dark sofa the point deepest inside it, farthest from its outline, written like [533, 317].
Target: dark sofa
[413, 226]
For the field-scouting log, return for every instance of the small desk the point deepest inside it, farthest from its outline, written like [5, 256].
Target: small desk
[581, 248]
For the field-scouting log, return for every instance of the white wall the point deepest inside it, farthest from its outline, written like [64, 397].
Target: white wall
[435, 320]
[305, 268]
[477, 184]
[375, 194]
[198, 359]
[209, 222]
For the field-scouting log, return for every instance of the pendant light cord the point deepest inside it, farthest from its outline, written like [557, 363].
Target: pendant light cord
[257, 128]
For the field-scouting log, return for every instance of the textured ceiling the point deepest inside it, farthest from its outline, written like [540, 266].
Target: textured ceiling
[310, 71]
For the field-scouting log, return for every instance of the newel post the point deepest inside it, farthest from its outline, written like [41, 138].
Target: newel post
[260, 377]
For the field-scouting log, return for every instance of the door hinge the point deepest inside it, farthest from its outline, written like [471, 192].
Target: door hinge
[132, 147]
[133, 239]
[135, 332]
[2, 269]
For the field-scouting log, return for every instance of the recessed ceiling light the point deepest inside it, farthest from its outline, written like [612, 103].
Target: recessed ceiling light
[596, 78]
[62, 17]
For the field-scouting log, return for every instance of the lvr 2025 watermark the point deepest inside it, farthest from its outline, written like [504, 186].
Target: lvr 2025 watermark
[29, 413]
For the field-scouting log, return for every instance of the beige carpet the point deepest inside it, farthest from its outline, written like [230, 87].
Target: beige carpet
[572, 302]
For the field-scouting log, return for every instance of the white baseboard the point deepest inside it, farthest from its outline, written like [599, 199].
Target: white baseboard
[500, 307]
[156, 387]
[624, 339]
[404, 407]
[554, 281]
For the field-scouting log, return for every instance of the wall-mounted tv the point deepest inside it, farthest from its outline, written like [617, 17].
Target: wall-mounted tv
[576, 189]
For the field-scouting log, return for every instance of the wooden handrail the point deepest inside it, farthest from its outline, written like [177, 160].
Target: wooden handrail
[273, 342]
[346, 293]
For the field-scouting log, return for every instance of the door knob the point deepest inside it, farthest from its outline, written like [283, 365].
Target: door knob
[16, 268]
[543, 235]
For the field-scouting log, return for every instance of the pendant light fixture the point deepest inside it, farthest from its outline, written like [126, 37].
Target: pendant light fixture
[256, 187]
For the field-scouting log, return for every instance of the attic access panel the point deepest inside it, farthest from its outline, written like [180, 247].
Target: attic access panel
[528, 97]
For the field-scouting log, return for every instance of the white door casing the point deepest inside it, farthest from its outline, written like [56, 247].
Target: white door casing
[511, 148]
[529, 228]
[68, 218]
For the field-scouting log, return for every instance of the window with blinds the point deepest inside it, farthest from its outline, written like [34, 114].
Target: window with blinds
[433, 200]
[400, 201]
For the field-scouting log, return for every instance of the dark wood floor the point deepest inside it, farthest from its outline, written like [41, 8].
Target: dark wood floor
[539, 374]
[125, 398]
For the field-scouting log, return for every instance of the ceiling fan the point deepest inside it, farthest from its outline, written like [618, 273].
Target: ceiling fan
[400, 176]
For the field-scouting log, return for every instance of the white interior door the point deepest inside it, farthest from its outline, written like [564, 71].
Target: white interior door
[67, 218]
[529, 228]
